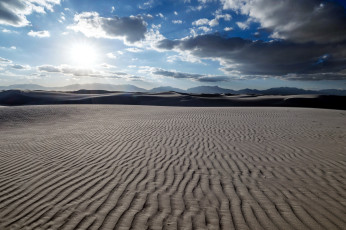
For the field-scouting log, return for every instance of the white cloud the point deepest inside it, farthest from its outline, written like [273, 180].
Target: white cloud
[177, 21]
[151, 38]
[204, 28]
[8, 31]
[112, 10]
[175, 13]
[111, 55]
[148, 16]
[201, 22]
[129, 29]
[226, 17]
[134, 50]
[15, 12]
[62, 17]
[228, 29]
[242, 25]
[146, 5]
[213, 22]
[4, 60]
[160, 15]
[39, 34]
[8, 48]
[205, 1]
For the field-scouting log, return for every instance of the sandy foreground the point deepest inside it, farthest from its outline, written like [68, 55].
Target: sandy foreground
[145, 167]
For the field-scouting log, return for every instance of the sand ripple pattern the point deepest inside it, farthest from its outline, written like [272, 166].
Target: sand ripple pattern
[143, 167]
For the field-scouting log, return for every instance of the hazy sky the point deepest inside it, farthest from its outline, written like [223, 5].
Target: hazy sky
[181, 43]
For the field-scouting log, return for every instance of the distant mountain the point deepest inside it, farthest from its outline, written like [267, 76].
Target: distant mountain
[209, 89]
[333, 92]
[98, 86]
[271, 91]
[25, 87]
[166, 89]
[75, 87]
[288, 91]
[248, 91]
[195, 90]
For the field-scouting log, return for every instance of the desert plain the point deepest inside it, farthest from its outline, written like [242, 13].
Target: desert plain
[158, 167]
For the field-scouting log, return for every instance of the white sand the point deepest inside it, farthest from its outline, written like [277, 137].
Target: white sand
[143, 167]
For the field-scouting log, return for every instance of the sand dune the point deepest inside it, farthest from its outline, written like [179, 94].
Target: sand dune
[144, 167]
[20, 97]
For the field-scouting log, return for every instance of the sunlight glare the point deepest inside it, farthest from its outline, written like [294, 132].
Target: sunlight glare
[83, 54]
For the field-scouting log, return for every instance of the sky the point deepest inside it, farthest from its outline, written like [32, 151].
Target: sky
[235, 44]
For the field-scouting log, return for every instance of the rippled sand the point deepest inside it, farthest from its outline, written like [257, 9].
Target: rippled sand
[143, 167]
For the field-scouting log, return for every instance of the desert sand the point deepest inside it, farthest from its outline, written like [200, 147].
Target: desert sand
[147, 167]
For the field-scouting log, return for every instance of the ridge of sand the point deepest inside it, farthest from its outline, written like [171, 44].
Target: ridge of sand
[26, 97]
[143, 167]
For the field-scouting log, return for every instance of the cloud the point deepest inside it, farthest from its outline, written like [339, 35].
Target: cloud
[228, 29]
[134, 50]
[160, 15]
[8, 48]
[259, 58]
[39, 34]
[146, 5]
[82, 72]
[195, 77]
[212, 22]
[175, 74]
[295, 20]
[8, 31]
[20, 67]
[214, 79]
[130, 29]
[4, 60]
[205, 21]
[316, 77]
[243, 25]
[49, 68]
[69, 70]
[111, 55]
[14, 12]
[177, 21]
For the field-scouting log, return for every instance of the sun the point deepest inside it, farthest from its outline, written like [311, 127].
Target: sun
[83, 54]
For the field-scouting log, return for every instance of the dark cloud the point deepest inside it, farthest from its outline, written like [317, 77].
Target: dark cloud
[49, 68]
[69, 70]
[173, 74]
[78, 71]
[19, 67]
[132, 28]
[276, 58]
[213, 79]
[195, 77]
[316, 77]
[296, 20]
[7, 14]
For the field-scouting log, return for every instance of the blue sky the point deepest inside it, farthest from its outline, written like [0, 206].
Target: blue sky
[182, 43]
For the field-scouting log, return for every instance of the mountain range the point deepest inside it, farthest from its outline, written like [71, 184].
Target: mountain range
[194, 90]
